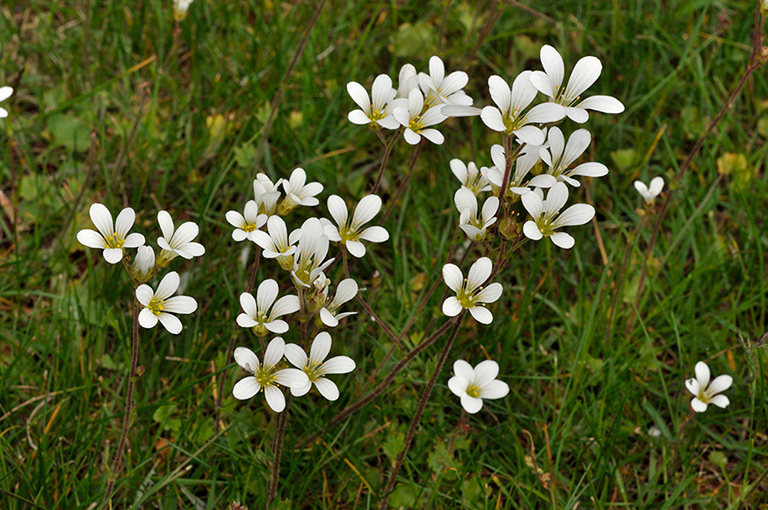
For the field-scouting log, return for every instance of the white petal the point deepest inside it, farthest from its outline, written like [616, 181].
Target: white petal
[411, 137]
[578, 115]
[433, 135]
[453, 277]
[553, 64]
[556, 197]
[358, 117]
[471, 404]
[166, 224]
[494, 390]
[124, 222]
[698, 405]
[604, 104]
[577, 214]
[180, 304]
[299, 391]
[275, 398]
[479, 273]
[657, 184]
[102, 219]
[91, 239]
[327, 388]
[328, 319]
[266, 294]
[113, 255]
[720, 384]
[246, 359]
[490, 294]
[296, 356]
[276, 326]
[530, 135]
[451, 306]
[590, 170]
[275, 351]
[375, 234]
[534, 205]
[585, 73]
[464, 370]
[381, 91]
[345, 291]
[530, 229]
[168, 285]
[285, 305]
[500, 92]
[147, 319]
[339, 365]
[144, 294]
[458, 385]
[321, 346]
[359, 95]
[485, 372]
[366, 209]
[338, 209]
[5, 93]
[720, 401]
[133, 241]
[170, 323]
[562, 240]
[481, 314]
[246, 321]
[356, 248]
[291, 377]
[702, 373]
[545, 113]
[492, 118]
[246, 388]
[248, 304]
[693, 386]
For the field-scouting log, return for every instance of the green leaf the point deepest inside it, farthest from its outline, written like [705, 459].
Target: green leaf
[624, 158]
[70, 132]
[393, 445]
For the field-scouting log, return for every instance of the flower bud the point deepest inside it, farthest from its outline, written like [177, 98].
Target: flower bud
[144, 264]
[509, 229]
[180, 8]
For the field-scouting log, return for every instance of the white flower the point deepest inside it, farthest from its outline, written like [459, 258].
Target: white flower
[144, 264]
[266, 194]
[5, 93]
[706, 393]
[585, 73]
[266, 376]
[316, 368]
[277, 244]
[471, 178]
[416, 124]
[473, 225]
[180, 8]
[310, 253]
[257, 314]
[442, 89]
[469, 292]
[246, 225]
[474, 385]
[560, 155]
[649, 193]
[546, 216]
[112, 238]
[523, 164]
[177, 242]
[376, 112]
[297, 192]
[345, 291]
[509, 117]
[159, 305]
[351, 233]
[407, 81]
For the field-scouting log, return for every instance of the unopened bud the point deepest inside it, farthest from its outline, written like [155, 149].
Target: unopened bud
[509, 229]
[144, 264]
[180, 8]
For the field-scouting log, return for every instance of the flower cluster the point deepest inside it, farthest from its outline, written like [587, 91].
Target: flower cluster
[114, 239]
[309, 370]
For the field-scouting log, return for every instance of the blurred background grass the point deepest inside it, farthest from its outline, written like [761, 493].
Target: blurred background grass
[115, 103]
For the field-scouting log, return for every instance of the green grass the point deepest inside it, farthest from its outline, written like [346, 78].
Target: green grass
[586, 383]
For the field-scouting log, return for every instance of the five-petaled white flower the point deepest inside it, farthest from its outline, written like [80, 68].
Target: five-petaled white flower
[377, 111]
[474, 385]
[585, 73]
[470, 294]
[346, 290]
[547, 218]
[706, 392]
[112, 238]
[470, 177]
[417, 124]
[177, 242]
[5, 93]
[442, 89]
[267, 376]
[649, 193]
[407, 80]
[509, 115]
[246, 225]
[257, 311]
[159, 305]
[560, 155]
[298, 192]
[473, 225]
[351, 233]
[277, 244]
[317, 368]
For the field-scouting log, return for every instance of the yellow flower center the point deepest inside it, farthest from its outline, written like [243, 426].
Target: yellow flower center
[467, 299]
[156, 305]
[249, 227]
[415, 124]
[376, 115]
[313, 370]
[113, 241]
[265, 376]
[473, 391]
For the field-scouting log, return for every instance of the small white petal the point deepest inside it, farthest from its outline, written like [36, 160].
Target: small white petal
[481, 314]
[453, 277]
[720, 401]
[275, 398]
[698, 405]
[327, 388]
[471, 404]
[246, 388]
[246, 359]
[452, 307]
[562, 240]
[458, 385]
[170, 322]
[339, 365]
[147, 319]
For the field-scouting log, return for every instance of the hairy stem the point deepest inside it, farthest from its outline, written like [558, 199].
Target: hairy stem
[417, 417]
[277, 451]
[384, 161]
[117, 461]
[403, 184]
